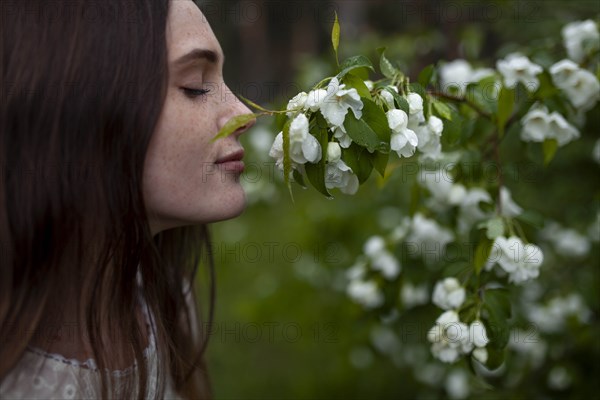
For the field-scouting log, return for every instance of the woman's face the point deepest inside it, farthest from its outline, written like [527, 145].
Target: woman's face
[187, 178]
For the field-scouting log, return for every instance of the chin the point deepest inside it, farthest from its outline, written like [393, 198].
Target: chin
[229, 204]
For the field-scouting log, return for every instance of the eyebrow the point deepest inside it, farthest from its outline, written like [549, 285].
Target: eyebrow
[198, 54]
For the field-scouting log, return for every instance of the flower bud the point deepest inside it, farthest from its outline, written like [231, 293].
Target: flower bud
[334, 152]
[480, 354]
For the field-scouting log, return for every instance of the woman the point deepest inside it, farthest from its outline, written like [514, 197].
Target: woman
[109, 178]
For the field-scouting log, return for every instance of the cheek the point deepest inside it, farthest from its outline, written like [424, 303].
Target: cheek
[180, 147]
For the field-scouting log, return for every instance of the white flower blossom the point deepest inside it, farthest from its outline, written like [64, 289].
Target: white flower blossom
[450, 337]
[335, 101]
[539, 125]
[339, 175]
[521, 261]
[296, 104]
[576, 35]
[583, 90]
[457, 385]
[429, 237]
[458, 74]
[509, 207]
[431, 373]
[304, 147]
[369, 84]
[581, 86]
[567, 242]
[535, 125]
[357, 271]
[448, 294]
[480, 354]
[315, 98]
[403, 140]
[469, 212]
[559, 378]
[334, 152]
[429, 137]
[381, 259]
[561, 130]
[366, 293]
[478, 334]
[401, 230]
[339, 132]
[412, 295]
[562, 71]
[571, 243]
[552, 317]
[415, 107]
[373, 246]
[444, 192]
[384, 340]
[518, 68]
[387, 97]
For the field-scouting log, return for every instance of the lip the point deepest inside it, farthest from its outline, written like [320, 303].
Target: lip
[232, 157]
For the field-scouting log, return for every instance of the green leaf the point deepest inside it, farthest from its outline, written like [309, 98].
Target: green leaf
[442, 109]
[531, 218]
[335, 35]
[386, 67]
[380, 161]
[498, 309]
[484, 94]
[234, 124]
[298, 178]
[357, 83]
[425, 75]
[468, 311]
[362, 134]
[457, 269]
[374, 116]
[453, 130]
[506, 103]
[495, 358]
[547, 88]
[549, 146]
[495, 228]
[359, 159]
[352, 63]
[482, 253]
[316, 172]
[417, 88]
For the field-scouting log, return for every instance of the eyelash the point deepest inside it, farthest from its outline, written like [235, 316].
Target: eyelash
[194, 93]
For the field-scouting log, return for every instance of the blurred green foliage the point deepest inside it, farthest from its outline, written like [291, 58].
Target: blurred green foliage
[284, 328]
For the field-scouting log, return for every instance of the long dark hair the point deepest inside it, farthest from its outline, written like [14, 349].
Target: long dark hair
[83, 85]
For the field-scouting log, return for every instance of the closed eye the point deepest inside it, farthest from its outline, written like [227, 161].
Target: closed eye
[193, 93]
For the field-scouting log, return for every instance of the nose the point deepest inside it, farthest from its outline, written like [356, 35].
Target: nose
[234, 107]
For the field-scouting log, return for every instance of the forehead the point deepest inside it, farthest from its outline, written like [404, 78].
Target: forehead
[187, 28]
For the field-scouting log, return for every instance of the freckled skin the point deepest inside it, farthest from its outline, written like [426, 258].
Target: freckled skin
[182, 183]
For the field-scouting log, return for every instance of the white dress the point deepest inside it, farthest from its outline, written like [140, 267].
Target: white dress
[42, 375]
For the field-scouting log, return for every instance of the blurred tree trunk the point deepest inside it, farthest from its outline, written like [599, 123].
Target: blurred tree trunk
[256, 52]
